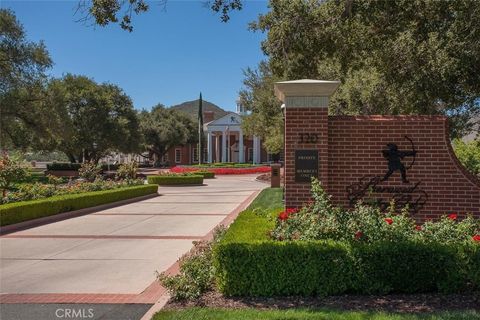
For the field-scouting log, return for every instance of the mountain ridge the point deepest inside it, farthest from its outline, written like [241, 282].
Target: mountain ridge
[191, 108]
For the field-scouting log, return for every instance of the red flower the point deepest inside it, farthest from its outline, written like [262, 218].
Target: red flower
[476, 238]
[283, 216]
[452, 216]
[388, 220]
[247, 170]
[419, 228]
[291, 210]
[358, 234]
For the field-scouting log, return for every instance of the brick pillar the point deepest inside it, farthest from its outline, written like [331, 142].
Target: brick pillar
[306, 135]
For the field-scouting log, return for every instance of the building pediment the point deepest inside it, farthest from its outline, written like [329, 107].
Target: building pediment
[231, 120]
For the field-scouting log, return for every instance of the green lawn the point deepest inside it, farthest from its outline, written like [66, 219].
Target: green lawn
[256, 221]
[268, 199]
[302, 314]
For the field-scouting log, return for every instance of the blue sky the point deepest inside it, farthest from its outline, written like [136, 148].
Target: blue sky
[170, 57]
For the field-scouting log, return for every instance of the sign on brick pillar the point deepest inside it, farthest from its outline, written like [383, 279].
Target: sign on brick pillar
[306, 135]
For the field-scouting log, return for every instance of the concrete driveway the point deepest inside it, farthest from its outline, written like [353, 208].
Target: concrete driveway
[111, 256]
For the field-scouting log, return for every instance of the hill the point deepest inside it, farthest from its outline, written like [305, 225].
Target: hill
[191, 108]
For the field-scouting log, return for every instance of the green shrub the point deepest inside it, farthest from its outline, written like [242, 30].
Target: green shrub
[55, 181]
[27, 210]
[250, 263]
[270, 268]
[406, 267]
[89, 171]
[61, 166]
[205, 174]
[175, 179]
[11, 171]
[196, 270]
[273, 268]
[127, 171]
[469, 154]
[320, 220]
[31, 191]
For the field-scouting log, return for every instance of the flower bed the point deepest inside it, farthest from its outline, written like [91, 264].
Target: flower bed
[259, 255]
[224, 165]
[28, 210]
[223, 171]
[177, 179]
[34, 191]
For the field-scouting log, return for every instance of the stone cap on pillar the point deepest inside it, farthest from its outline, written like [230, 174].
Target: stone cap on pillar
[305, 88]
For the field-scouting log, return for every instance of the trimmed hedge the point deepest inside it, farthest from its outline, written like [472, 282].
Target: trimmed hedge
[175, 179]
[63, 166]
[205, 174]
[28, 210]
[273, 268]
[248, 263]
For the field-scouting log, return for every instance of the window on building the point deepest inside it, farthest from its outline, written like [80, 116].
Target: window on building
[205, 155]
[194, 155]
[178, 155]
[250, 154]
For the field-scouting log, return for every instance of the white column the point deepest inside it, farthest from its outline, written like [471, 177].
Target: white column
[217, 147]
[255, 149]
[241, 155]
[224, 148]
[209, 147]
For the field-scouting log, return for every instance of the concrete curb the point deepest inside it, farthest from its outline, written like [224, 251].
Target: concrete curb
[69, 214]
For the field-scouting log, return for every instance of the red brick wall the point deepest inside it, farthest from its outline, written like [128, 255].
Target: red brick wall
[298, 121]
[354, 150]
[186, 153]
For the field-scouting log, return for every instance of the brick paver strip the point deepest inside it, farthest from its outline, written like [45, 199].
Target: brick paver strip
[150, 295]
[159, 214]
[82, 236]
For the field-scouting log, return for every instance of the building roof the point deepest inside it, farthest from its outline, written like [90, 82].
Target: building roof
[231, 120]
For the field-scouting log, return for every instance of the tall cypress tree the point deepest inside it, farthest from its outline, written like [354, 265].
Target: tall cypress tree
[200, 129]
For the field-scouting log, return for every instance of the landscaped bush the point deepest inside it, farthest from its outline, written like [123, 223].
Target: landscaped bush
[320, 220]
[32, 191]
[89, 171]
[272, 268]
[223, 170]
[469, 154]
[10, 171]
[196, 270]
[127, 171]
[177, 179]
[61, 166]
[205, 174]
[27, 210]
[366, 254]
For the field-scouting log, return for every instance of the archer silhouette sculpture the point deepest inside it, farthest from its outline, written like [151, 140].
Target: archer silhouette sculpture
[394, 157]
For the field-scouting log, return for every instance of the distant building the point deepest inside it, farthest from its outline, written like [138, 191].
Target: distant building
[225, 142]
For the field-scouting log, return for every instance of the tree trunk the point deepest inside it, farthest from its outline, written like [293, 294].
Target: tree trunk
[71, 157]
